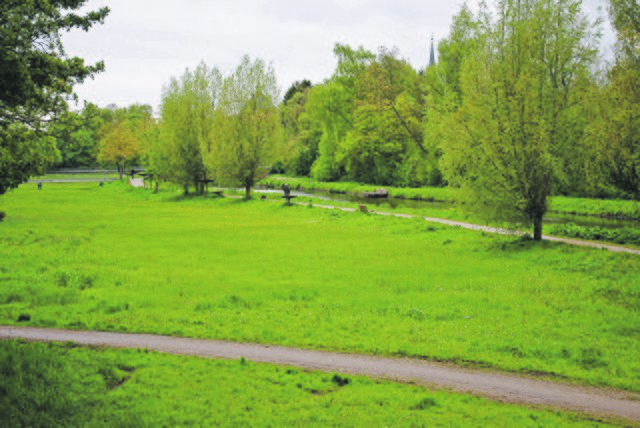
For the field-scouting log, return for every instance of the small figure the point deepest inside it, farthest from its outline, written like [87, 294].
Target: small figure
[101, 183]
[286, 189]
[263, 198]
[39, 185]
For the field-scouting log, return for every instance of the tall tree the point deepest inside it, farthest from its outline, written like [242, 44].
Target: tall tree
[521, 96]
[625, 17]
[301, 134]
[36, 79]
[616, 133]
[188, 106]
[77, 134]
[247, 124]
[118, 144]
[387, 123]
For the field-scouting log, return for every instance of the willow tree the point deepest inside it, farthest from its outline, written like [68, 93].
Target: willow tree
[616, 132]
[521, 96]
[187, 110]
[246, 128]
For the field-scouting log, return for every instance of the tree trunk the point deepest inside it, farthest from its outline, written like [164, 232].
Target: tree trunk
[537, 228]
[247, 192]
[157, 187]
[186, 189]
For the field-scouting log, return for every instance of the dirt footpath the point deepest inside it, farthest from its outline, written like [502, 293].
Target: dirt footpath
[497, 386]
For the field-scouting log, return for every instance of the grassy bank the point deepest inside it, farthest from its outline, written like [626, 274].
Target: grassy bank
[61, 385]
[623, 236]
[597, 207]
[122, 259]
[78, 176]
[578, 206]
[301, 183]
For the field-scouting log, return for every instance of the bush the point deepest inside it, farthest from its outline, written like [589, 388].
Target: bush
[2, 216]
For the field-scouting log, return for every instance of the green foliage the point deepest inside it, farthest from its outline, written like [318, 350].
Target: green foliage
[521, 90]
[326, 279]
[36, 79]
[625, 17]
[364, 124]
[23, 152]
[329, 105]
[301, 134]
[296, 88]
[614, 132]
[187, 112]
[36, 76]
[118, 145]
[247, 126]
[77, 135]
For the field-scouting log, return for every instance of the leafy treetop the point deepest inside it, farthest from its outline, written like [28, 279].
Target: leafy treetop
[36, 76]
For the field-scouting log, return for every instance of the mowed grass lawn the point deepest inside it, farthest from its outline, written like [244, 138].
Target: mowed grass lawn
[61, 385]
[122, 259]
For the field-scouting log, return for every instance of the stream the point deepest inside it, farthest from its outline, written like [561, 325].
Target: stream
[393, 204]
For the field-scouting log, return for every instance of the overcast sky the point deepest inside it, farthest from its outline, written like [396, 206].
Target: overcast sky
[145, 43]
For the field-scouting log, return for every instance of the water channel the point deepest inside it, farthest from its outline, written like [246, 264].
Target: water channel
[395, 204]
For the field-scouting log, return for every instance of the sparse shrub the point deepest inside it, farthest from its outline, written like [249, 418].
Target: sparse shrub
[62, 279]
[2, 216]
[425, 403]
[72, 279]
[340, 381]
[201, 307]
[24, 318]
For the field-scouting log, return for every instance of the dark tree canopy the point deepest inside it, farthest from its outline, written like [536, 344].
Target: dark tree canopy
[36, 79]
[36, 76]
[296, 87]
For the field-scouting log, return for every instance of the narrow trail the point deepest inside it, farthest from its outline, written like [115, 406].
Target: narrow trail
[137, 182]
[488, 229]
[497, 386]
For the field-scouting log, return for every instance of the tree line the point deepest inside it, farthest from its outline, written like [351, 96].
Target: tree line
[519, 107]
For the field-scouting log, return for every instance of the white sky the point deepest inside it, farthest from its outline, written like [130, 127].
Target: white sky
[145, 43]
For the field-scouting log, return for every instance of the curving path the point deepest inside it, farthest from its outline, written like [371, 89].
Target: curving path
[489, 229]
[497, 386]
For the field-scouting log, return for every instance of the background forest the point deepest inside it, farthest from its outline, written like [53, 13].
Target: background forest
[518, 107]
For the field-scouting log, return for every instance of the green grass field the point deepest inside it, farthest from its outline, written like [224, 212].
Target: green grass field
[61, 385]
[122, 259]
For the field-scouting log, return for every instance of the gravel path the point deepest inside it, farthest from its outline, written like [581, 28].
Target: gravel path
[470, 226]
[498, 386]
[136, 182]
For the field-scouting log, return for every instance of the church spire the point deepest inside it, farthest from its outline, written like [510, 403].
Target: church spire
[432, 55]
